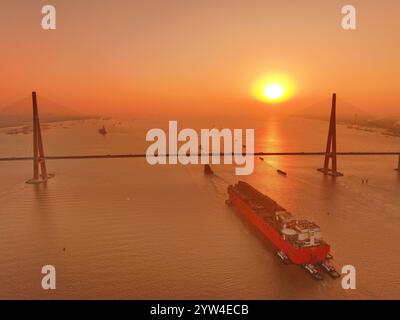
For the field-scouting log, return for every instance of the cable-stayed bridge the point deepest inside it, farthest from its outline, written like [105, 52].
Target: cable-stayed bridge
[39, 158]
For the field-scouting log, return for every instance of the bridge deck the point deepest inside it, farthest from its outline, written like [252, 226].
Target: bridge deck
[142, 155]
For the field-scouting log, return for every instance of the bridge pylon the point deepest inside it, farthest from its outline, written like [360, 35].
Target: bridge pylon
[40, 174]
[330, 153]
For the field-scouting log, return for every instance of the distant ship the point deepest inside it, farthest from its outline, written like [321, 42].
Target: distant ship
[281, 172]
[208, 170]
[103, 131]
[297, 241]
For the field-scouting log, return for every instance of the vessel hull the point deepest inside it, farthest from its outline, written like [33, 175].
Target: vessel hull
[300, 256]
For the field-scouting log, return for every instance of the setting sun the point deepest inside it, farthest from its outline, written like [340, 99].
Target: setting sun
[274, 91]
[273, 88]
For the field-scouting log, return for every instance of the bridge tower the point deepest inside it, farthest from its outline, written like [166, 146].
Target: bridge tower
[330, 153]
[40, 174]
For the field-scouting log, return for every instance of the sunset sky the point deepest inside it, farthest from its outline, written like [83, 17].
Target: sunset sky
[171, 56]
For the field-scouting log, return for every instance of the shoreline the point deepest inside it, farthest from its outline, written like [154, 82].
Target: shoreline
[20, 124]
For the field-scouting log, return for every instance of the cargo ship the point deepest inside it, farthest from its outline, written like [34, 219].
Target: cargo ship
[296, 241]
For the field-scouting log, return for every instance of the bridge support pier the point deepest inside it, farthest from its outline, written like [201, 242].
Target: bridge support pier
[330, 154]
[398, 165]
[40, 174]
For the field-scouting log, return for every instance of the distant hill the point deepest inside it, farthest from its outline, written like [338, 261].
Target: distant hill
[390, 124]
[352, 116]
[20, 112]
[345, 112]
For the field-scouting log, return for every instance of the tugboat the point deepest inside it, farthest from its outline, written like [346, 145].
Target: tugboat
[281, 172]
[103, 131]
[207, 170]
[297, 241]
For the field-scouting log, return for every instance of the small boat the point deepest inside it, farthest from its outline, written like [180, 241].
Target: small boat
[281, 172]
[103, 131]
[207, 170]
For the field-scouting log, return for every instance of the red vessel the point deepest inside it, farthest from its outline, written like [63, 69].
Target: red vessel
[297, 241]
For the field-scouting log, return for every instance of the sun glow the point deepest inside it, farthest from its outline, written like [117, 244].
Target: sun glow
[273, 88]
[273, 91]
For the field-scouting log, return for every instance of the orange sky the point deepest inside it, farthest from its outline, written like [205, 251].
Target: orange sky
[198, 56]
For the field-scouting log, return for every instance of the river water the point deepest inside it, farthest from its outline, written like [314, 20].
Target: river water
[135, 231]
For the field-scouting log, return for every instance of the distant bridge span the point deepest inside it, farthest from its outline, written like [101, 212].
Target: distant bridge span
[143, 155]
